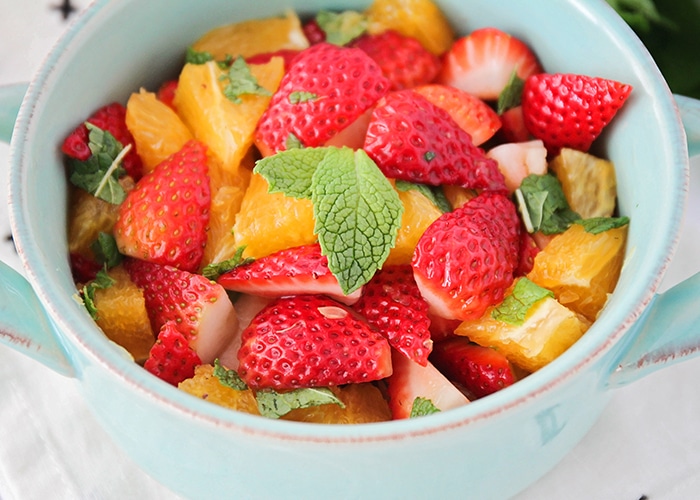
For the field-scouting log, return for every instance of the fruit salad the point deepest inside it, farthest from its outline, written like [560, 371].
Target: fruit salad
[348, 217]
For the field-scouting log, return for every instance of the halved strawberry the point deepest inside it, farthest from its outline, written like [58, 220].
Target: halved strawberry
[310, 341]
[517, 160]
[393, 304]
[528, 252]
[477, 247]
[166, 93]
[411, 380]
[410, 138]
[164, 219]
[570, 110]
[482, 62]
[200, 309]
[293, 271]
[513, 127]
[480, 370]
[171, 358]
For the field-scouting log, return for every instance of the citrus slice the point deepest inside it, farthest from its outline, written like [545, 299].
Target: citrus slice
[206, 385]
[419, 212]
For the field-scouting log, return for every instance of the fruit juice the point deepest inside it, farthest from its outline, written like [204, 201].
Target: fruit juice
[348, 218]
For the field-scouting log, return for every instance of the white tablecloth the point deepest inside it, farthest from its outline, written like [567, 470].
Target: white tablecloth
[646, 443]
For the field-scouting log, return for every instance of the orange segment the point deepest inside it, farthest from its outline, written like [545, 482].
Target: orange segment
[205, 385]
[252, 37]
[581, 268]
[419, 212]
[268, 222]
[364, 403]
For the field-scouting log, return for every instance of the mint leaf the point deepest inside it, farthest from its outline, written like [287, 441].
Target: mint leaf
[241, 82]
[341, 27]
[515, 306]
[301, 96]
[293, 142]
[422, 407]
[357, 213]
[229, 378]
[196, 57]
[274, 404]
[106, 250]
[102, 280]
[511, 95]
[214, 270]
[434, 193]
[290, 171]
[542, 202]
[597, 225]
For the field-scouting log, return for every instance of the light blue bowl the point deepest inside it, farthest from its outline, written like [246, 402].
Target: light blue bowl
[491, 448]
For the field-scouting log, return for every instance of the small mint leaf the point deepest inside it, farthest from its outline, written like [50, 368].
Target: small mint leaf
[515, 306]
[274, 404]
[102, 280]
[546, 205]
[241, 82]
[193, 56]
[422, 407]
[228, 378]
[434, 193]
[511, 95]
[214, 270]
[596, 225]
[290, 172]
[301, 96]
[106, 250]
[341, 27]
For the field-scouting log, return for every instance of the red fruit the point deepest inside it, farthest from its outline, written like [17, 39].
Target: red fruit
[465, 260]
[171, 358]
[310, 341]
[200, 309]
[483, 62]
[287, 54]
[403, 60]
[326, 89]
[411, 380]
[294, 271]
[392, 303]
[471, 113]
[411, 139]
[528, 252]
[513, 127]
[164, 218]
[567, 110]
[166, 93]
[314, 33]
[83, 268]
[480, 370]
[111, 118]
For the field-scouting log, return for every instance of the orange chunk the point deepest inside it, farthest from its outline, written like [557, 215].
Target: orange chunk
[419, 212]
[206, 385]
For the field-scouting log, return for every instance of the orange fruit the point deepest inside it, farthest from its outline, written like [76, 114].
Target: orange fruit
[420, 19]
[581, 268]
[157, 130]
[268, 222]
[257, 36]
[364, 403]
[419, 212]
[122, 315]
[206, 385]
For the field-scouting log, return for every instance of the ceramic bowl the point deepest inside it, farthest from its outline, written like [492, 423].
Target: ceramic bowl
[491, 448]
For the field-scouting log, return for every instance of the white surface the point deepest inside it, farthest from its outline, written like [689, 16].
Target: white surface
[646, 442]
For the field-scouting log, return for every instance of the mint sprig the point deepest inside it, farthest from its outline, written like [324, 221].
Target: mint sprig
[214, 270]
[543, 205]
[274, 404]
[511, 95]
[514, 307]
[422, 407]
[102, 280]
[106, 250]
[241, 82]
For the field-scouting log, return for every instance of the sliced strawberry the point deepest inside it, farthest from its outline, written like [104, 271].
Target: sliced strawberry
[513, 127]
[247, 307]
[393, 304]
[517, 160]
[442, 328]
[471, 113]
[480, 370]
[411, 380]
[171, 358]
[411, 139]
[164, 219]
[83, 268]
[403, 60]
[294, 271]
[528, 252]
[200, 308]
[287, 54]
[111, 118]
[310, 341]
[569, 110]
[477, 246]
[166, 93]
[325, 90]
[482, 62]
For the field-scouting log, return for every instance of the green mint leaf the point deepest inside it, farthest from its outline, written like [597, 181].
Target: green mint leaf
[596, 225]
[216, 269]
[422, 407]
[511, 95]
[301, 96]
[241, 82]
[542, 202]
[196, 57]
[290, 172]
[106, 250]
[434, 193]
[358, 214]
[229, 378]
[274, 404]
[515, 306]
[341, 27]
[293, 142]
[102, 280]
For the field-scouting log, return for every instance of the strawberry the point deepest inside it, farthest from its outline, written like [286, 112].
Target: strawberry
[164, 218]
[410, 138]
[200, 308]
[310, 341]
[465, 260]
[471, 113]
[411, 380]
[313, 32]
[513, 127]
[294, 271]
[166, 93]
[482, 62]
[403, 60]
[517, 160]
[528, 252]
[392, 303]
[326, 89]
[569, 110]
[171, 358]
[111, 118]
[83, 268]
[480, 370]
